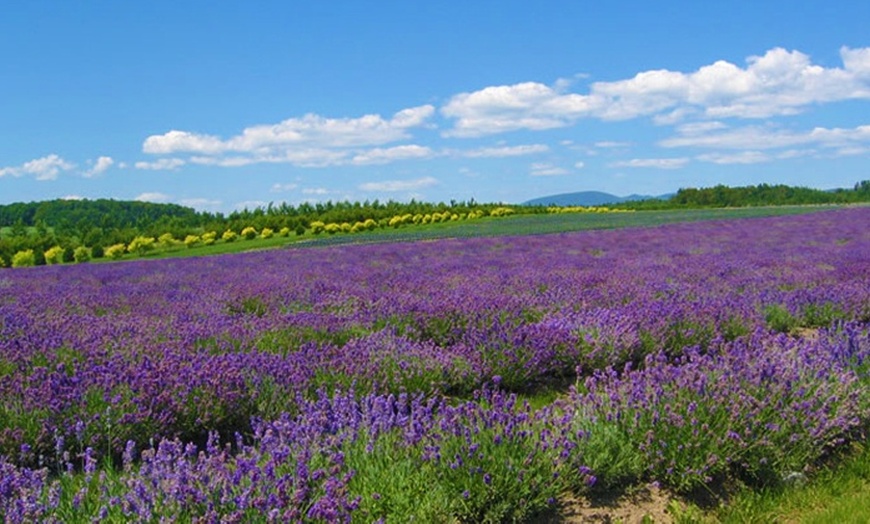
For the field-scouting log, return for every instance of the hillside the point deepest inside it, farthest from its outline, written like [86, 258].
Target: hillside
[585, 198]
[80, 215]
[712, 197]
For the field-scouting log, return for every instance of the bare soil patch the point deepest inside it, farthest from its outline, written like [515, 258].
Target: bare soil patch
[642, 504]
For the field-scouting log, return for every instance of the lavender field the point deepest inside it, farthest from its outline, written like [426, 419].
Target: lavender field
[386, 381]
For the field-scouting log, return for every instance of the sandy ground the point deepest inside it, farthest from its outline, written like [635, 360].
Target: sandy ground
[643, 505]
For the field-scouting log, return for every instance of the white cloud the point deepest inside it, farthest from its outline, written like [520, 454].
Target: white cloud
[673, 117]
[200, 203]
[780, 82]
[72, 197]
[698, 128]
[182, 142]
[752, 157]
[656, 163]
[506, 151]
[528, 105]
[250, 204]
[45, 168]
[579, 164]
[399, 185]
[387, 155]
[853, 151]
[152, 197]
[768, 137]
[311, 140]
[161, 164]
[302, 158]
[100, 166]
[315, 191]
[611, 144]
[470, 173]
[283, 188]
[743, 157]
[547, 169]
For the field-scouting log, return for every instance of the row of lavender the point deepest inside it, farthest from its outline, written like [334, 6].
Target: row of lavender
[94, 357]
[762, 409]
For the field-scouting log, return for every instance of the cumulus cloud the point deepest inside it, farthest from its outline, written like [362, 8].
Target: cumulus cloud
[200, 203]
[311, 140]
[506, 151]
[250, 204]
[547, 169]
[100, 166]
[769, 137]
[611, 144]
[656, 163]
[753, 157]
[301, 158]
[399, 185]
[45, 168]
[152, 197]
[315, 191]
[743, 157]
[391, 154]
[780, 82]
[161, 164]
[283, 188]
[528, 105]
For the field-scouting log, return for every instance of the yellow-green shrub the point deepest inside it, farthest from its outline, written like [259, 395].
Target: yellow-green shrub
[54, 255]
[317, 227]
[24, 258]
[141, 245]
[267, 232]
[284, 232]
[166, 240]
[249, 233]
[82, 254]
[229, 236]
[191, 240]
[209, 238]
[115, 251]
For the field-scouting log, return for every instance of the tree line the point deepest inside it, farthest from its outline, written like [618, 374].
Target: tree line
[100, 224]
[748, 196]
[65, 226]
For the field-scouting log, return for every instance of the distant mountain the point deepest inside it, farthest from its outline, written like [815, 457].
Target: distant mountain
[586, 198]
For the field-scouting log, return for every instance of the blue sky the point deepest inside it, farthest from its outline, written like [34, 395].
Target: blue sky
[224, 105]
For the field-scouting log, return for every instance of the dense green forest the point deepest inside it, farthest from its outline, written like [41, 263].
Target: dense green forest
[760, 195]
[66, 225]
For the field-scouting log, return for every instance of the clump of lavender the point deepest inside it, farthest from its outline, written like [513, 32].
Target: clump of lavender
[755, 409]
[340, 459]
